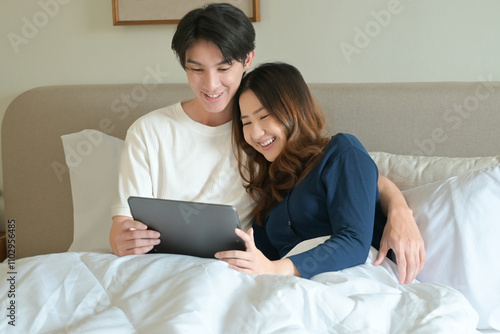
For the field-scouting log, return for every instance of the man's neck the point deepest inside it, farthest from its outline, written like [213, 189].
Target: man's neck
[197, 113]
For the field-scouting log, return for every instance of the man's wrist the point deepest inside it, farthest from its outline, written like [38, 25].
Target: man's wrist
[399, 210]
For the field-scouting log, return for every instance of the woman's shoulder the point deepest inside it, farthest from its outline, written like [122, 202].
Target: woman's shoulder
[345, 150]
[344, 141]
[344, 147]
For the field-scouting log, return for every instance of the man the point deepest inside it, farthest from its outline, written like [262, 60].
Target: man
[184, 151]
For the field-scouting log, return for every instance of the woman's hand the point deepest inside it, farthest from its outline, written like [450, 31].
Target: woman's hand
[252, 261]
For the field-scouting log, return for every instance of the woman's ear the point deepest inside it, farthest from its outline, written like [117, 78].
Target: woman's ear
[248, 61]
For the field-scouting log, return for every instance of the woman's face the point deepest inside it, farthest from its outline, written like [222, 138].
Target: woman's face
[261, 130]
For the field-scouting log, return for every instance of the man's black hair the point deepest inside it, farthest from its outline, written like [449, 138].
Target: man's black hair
[220, 23]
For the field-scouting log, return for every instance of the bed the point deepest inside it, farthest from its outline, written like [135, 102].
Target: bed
[439, 142]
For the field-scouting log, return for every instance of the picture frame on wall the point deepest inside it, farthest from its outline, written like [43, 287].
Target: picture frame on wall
[141, 12]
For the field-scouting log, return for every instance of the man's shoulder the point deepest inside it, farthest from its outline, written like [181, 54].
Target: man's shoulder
[156, 117]
[167, 113]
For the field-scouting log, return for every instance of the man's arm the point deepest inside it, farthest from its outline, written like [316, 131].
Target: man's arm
[401, 233]
[128, 236]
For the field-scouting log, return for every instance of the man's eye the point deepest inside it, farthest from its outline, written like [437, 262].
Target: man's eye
[225, 69]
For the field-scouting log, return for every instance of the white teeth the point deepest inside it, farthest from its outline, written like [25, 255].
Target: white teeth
[267, 142]
[213, 95]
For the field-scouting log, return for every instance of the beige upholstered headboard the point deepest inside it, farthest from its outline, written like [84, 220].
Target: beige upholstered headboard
[440, 119]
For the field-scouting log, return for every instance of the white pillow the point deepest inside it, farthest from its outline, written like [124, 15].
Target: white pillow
[459, 219]
[93, 159]
[409, 171]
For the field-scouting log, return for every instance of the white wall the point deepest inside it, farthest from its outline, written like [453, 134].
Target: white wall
[329, 40]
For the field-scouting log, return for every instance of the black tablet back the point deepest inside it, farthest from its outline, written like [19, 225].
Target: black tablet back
[189, 228]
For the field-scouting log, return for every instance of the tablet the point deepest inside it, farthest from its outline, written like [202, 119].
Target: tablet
[189, 228]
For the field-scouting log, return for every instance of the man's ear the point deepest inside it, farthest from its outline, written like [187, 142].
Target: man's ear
[248, 60]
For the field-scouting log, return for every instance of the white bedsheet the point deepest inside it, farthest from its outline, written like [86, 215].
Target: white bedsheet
[101, 293]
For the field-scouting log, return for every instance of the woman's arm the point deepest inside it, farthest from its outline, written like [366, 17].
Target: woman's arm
[252, 261]
[338, 199]
[401, 233]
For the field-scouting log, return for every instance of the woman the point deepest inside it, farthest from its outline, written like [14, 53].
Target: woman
[305, 184]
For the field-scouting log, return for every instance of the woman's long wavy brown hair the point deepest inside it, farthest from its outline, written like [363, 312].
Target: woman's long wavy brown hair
[283, 92]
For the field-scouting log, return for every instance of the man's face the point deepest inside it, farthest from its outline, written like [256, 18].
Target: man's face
[212, 79]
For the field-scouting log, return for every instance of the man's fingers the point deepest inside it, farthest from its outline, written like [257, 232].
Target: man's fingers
[137, 230]
[422, 259]
[414, 267]
[131, 224]
[401, 268]
[137, 241]
[137, 246]
[411, 271]
[382, 253]
[142, 235]
[139, 250]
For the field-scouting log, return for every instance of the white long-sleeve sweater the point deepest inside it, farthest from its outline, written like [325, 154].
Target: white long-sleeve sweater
[168, 155]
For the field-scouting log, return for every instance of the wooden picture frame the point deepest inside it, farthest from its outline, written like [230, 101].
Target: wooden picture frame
[141, 12]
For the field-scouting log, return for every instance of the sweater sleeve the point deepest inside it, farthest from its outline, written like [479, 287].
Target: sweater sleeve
[134, 177]
[350, 181]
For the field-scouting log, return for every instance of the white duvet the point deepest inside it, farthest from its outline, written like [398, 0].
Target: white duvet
[101, 293]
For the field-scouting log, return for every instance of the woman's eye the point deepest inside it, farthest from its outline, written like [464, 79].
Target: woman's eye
[245, 123]
[265, 116]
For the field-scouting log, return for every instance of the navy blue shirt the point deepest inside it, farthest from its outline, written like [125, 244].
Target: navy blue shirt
[339, 197]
